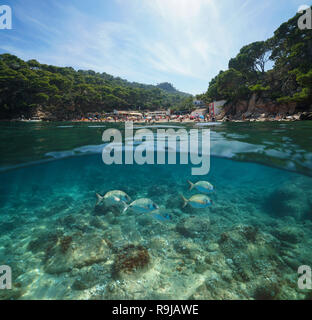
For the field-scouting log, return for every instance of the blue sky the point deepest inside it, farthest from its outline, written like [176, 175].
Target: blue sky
[185, 42]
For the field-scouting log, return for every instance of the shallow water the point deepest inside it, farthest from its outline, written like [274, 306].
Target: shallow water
[247, 245]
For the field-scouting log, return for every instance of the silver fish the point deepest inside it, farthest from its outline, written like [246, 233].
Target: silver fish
[198, 201]
[112, 198]
[142, 205]
[201, 186]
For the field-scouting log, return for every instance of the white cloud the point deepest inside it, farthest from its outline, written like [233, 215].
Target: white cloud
[303, 7]
[185, 42]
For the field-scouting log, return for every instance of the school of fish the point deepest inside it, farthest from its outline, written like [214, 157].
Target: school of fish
[145, 205]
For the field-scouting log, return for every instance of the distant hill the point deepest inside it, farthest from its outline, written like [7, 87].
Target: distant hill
[166, 86]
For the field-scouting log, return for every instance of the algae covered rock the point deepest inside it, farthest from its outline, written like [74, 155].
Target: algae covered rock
[130, 260]
[76, 251]
[193, 226]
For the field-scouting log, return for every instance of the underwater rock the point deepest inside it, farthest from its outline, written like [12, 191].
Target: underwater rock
[98, 223]
[292, 262]
[146, 220]
[158, 190]
[114, 234]
[188, 248]
[158, 243]
[239, 236]
[174, 202]
[76, 251]
[267, 290]
[212, 247]
[13, 294]
[44, 241]
[193, 226]
[289, 200]
[68, 221]
[288, 234]
[252, 252]
[65, 243]
[114, 291]
[7, 226]
[110, 217]
[101, 210]
[130, 260]
[85, 280]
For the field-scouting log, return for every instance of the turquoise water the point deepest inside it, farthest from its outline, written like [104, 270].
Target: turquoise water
[247, 245]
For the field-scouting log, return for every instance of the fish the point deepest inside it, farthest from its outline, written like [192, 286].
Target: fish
[114, 197]
[160, 217]
[201, 186]
[198, 201]
[143, 205]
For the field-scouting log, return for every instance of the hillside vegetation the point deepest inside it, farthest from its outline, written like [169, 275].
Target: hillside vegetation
[65, 93]
[278, 70]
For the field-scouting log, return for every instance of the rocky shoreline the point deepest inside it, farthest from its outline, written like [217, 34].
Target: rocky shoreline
[260, 110]
[300, 116]
[223, 117]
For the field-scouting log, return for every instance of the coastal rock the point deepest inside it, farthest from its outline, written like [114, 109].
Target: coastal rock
[306, 116]
[262, 109]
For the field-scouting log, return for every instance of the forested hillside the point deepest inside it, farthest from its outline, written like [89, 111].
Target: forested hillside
[66, 93]
[277, 70]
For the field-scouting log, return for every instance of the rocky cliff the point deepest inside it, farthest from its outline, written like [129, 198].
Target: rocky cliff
[259, 108]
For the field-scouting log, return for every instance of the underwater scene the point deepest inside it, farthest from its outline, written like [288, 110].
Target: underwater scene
[239, 232]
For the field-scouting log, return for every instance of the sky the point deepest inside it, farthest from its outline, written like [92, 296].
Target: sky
[184, 42]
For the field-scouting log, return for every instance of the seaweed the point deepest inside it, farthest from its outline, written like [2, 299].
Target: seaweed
[43, 242]
[131, 258]
[250, 233]
[65, 243]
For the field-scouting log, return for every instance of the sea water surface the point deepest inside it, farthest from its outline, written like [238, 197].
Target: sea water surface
[247, 245]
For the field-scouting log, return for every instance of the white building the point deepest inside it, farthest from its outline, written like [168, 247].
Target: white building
[198, 103]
